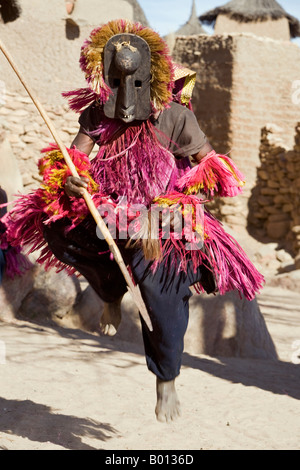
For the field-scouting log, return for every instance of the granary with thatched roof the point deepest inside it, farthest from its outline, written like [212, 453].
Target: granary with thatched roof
[260, 17]
[192, 26]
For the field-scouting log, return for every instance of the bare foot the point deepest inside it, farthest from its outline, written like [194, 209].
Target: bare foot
[111, 317]
[167, 406]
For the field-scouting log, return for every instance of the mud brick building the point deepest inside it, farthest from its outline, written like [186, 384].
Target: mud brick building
[243, 82]
[45, 39]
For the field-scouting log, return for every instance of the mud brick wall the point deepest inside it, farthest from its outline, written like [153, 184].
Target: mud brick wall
[243, 82]
[45, 42]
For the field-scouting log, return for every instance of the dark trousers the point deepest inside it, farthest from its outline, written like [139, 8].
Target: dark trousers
[165, 292]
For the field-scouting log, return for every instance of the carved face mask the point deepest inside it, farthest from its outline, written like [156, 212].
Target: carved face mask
[127, 62]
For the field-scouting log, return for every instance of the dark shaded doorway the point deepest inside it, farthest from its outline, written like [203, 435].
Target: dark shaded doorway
[72, 29]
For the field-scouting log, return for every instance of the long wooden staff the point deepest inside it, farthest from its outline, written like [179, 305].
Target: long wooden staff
[132, 287]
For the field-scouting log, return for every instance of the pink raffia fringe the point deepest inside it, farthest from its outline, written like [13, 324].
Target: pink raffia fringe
[135, 164]
[24, 224]
[82, 97]
[55, 203]
[231, 265]
[220, 253]
[24, 231]
[16, 263]
[216, 175]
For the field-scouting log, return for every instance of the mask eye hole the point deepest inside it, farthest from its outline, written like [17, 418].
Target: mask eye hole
[117, 82]
[138, 84]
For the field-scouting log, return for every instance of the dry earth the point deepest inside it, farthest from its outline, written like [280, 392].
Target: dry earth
[67, 389]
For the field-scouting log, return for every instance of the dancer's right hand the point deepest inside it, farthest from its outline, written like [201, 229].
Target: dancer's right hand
[74, 186]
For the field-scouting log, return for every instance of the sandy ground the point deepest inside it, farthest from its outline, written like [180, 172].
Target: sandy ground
[67, 389]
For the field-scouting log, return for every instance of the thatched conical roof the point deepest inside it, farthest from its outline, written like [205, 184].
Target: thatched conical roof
[252, 10]
[192, 26]
[138, 12]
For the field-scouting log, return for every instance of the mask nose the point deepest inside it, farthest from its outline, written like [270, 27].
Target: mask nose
[126, 95]
[127, 60]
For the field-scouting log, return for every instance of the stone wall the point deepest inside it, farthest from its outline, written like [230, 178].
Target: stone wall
[275, 202]
[23, 131]
[243, 82]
